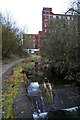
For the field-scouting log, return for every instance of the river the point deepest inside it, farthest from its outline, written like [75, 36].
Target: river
[38, 106]
[65, 101]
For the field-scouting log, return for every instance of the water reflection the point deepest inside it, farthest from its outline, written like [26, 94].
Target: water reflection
[39, 111]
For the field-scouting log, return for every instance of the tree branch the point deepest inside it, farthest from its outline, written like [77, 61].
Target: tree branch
[72, 10]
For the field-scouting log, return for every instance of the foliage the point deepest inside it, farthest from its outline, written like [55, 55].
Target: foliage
[11, 38]
[78, 78]
[74, 7]
[30, 65]
[36, 58]
[39, 73]
[62, 46]
[46, 61]
[46, 94]
[47, 97]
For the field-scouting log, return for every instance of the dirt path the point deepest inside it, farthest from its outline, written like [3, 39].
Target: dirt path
[5, 67]
[22, 108]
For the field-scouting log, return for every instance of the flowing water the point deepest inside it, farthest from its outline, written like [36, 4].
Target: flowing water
[39, 107]
[37, 101]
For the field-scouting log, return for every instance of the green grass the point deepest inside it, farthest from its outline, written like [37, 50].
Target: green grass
[30, 65]
[6, 61]
[39, 73]
[46, 95]
[11, 93]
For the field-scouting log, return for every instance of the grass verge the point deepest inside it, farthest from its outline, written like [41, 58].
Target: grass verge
[11, 93]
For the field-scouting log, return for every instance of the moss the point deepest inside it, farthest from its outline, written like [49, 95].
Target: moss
[29, 76]
[30, 65]
[39, 73]
[8, 99]
[12, 92]
[46, 61]
[46, 95]
[36, 58]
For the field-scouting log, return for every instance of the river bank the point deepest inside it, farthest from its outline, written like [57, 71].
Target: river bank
[64, 96]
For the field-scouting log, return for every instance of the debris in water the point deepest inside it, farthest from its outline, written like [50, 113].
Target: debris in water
[71, 109]
[41, 115]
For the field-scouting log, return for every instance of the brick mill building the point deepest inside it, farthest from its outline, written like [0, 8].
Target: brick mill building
[32, 42]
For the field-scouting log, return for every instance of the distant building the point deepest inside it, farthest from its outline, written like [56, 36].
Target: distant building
[48, 16]
[40, 38]
[32, 42]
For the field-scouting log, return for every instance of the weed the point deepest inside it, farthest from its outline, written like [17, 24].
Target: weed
[12, 92]
[30, 65]
[39, 73]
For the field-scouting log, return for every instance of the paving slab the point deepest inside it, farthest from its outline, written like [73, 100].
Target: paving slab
[22, 106]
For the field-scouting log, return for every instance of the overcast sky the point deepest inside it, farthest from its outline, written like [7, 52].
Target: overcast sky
[28, 13]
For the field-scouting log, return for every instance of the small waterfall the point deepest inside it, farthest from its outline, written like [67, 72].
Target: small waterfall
[36, 95]
[39, 111]
[43, 104]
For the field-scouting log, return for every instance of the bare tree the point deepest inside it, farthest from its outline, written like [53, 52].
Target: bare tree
[61, 46]
[11, 37]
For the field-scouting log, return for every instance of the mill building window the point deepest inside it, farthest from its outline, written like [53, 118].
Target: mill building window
[68, 23]
[43, 12]
[63, 17]
[30, 36]
[34, 44]
[49, 22]
[54, 17]
[49, 17]
[59, 17]
[72, 18]
[68, 18]
[45, 25]
[45, 16]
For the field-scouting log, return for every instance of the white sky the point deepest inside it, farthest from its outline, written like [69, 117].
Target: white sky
[29, 12]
